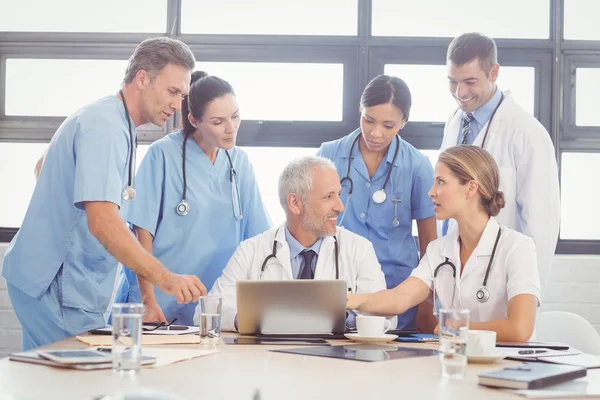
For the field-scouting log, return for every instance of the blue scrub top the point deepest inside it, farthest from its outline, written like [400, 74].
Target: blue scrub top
[201, 242]
[87, 160]
[410, 181]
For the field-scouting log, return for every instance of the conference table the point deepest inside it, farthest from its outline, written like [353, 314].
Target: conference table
[253, 372]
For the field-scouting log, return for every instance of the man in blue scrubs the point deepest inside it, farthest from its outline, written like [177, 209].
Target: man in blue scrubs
[61, 265]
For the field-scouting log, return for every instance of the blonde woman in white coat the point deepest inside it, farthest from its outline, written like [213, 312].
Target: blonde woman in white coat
[482, 265]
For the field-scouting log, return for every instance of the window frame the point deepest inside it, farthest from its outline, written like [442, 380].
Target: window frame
[572, 130]
[363, 57]
[426, 135]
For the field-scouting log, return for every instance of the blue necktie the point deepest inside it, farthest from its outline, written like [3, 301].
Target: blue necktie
[467, 118]
[307, 272]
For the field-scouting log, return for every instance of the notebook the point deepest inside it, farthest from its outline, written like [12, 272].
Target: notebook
[531, 376]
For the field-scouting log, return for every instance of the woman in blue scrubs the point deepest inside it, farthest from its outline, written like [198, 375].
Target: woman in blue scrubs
[197, 197]
[385, 182]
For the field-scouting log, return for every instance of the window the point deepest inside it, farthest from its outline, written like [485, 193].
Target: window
[18, 185]
[268, 163]
[53, 88]
[587, 97]
[431, 100]
[270, 17]
[84, 16]
[507, 19]
[284, 91]
[579, 196]
[581, 20]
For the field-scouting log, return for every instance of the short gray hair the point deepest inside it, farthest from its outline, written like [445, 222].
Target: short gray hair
[153, 54]
[297, 176]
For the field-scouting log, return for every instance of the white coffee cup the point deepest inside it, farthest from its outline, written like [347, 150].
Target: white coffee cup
[481, 343]
[372, 326]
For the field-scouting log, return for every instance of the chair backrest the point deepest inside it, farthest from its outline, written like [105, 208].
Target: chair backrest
[568, 328]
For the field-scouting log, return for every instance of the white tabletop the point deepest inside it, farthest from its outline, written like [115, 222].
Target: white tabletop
[237, 372]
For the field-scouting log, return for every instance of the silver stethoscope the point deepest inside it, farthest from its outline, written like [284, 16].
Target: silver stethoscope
[128, 194]
[379, 196]
[482, 295]
[487, 129]
[274, 255]
[183, 208]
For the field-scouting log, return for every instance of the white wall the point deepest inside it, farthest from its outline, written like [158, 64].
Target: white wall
[573, 286]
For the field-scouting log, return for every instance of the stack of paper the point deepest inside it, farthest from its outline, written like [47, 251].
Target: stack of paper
[147, 340]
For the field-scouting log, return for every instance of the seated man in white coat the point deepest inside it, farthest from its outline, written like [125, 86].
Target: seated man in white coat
[309, 191]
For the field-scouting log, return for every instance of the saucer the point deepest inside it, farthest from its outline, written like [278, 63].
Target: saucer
[486, 359]
[371, 339]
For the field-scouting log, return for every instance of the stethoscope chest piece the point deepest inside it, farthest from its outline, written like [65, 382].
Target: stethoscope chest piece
[379, 196]
[482, 295]
[128, 194]
[183, 208]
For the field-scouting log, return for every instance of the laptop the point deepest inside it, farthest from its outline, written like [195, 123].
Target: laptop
[295, 307]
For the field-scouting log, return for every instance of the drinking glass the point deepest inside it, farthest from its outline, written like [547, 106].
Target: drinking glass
[454, 332]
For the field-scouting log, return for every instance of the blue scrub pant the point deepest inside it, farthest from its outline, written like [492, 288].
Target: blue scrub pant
[44, 320]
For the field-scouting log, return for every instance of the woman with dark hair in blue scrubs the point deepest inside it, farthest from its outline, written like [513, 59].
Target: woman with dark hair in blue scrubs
[385, 181]
[198, 197]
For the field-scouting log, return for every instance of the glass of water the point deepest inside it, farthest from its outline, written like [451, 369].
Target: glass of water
[210, 319]
[454, 331]
[127, 337]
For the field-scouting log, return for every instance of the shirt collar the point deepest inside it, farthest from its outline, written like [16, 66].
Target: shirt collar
[483, 114]
[297, 248]
[484, 247]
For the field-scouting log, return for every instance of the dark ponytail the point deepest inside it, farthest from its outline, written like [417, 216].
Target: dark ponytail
[188, 128]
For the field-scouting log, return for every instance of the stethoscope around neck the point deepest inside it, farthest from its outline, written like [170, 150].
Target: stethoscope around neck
[482, 295]
[379, 196]
[128, 194]
[274, 255]
[183, 208]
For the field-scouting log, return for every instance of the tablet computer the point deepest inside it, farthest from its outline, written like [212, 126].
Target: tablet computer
[75, 356]
[363, 352]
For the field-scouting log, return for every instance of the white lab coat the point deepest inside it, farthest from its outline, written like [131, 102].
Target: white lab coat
[526, 159]
[358, 266]
[513, 272]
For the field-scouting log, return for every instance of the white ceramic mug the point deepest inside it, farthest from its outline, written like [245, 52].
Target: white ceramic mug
[481, 343]
[372, 326]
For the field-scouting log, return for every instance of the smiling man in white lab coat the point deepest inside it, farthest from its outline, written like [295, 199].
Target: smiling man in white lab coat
[519, 143]
[305, 246]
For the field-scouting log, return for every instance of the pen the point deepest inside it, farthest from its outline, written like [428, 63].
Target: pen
[104, 349]
[531, 351]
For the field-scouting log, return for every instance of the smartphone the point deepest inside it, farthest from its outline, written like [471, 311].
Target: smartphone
[75, 356]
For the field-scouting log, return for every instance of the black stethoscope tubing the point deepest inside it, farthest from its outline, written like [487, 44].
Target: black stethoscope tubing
[482, 294]
[128, 193]
[274, 255]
